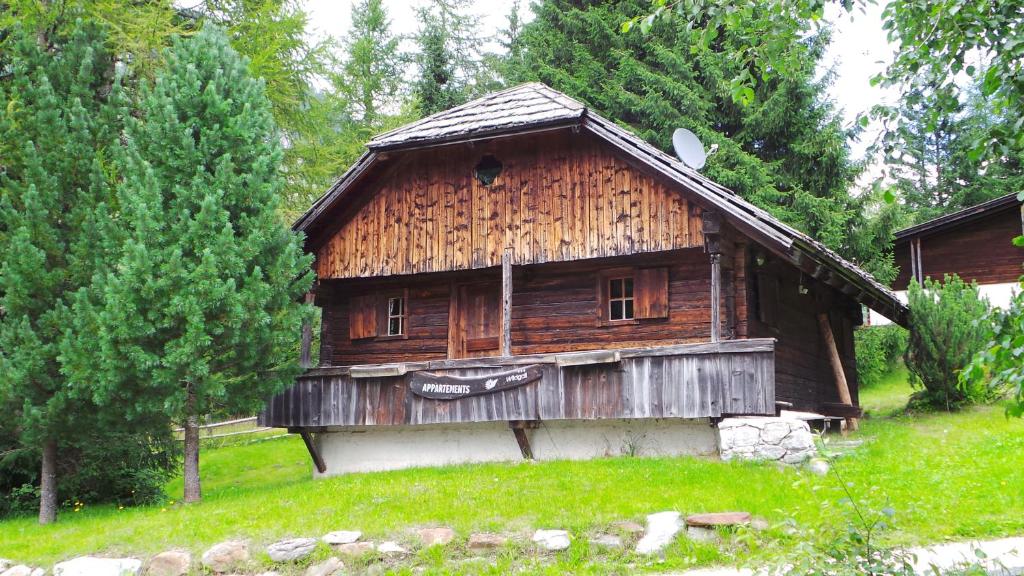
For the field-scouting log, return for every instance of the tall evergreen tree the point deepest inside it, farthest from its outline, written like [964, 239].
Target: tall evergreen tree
[448, 56]
[370, 75]
[202, 311]
[936, 163]
[785, 149]
[57, 129]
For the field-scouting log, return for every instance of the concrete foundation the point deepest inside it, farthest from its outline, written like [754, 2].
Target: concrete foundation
[395, 447]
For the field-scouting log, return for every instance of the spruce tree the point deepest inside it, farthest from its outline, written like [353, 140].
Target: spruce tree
[58, 126]
[785, 150]
[448, 56]
[201, 312]
[370, 75]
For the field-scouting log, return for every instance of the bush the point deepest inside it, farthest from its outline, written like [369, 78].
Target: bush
[947, 328]
[879, 348]
[98, 467]
[1000, 364]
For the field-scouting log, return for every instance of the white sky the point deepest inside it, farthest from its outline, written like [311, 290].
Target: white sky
[858, 49]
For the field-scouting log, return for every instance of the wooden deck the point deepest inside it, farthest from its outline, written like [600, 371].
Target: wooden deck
[683, 381]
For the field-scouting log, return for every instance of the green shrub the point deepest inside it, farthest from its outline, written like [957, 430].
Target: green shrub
[1000, 364]
[879, 348]
[947, 328]
[97, 467]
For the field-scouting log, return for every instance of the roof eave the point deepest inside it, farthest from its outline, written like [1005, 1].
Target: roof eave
[958, 218]
[517, 130]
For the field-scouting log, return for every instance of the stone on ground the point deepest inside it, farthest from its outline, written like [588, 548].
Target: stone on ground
[355, 549]
[662, 527]
[342, 537]
[5, 564]
[714, 519]
[21, 570]
[391, 549]
[628, 527]
[226, 555]
[786, 440]
[606, 541]
[552, 540]
[702, 534]
[818, 466]
[92, 566]
[291, 549]
[436, 536]
[170, 563]
[485, 541]
[326, 568]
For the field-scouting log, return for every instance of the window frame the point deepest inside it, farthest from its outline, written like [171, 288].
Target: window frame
[385, 316]
[604, 299]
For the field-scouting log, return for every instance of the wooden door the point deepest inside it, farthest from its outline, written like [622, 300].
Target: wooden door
[475, 320]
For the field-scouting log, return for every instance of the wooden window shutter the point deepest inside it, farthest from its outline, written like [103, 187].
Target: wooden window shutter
[362, 316]
[651, 293]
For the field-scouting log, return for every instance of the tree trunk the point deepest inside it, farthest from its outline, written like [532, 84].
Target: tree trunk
[191, 472]
[48, 484]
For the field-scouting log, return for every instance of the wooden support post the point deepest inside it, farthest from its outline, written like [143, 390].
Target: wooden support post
[711, 223]
[305, 356]
[716, 297]
[519, 428]
[837, 365]
[318, 460]
[506, 303]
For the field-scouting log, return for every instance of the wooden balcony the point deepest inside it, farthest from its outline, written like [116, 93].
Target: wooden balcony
[682, 381]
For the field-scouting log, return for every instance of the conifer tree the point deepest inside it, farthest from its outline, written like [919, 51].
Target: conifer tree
[448, 56]
[201, 312]
[58, 124]
[784, 150]
[370, 75]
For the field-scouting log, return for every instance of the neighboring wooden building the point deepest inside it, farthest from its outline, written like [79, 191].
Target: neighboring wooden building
[520, 262]
[975, 243]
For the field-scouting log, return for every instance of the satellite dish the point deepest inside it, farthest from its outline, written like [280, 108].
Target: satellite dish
[688, 148]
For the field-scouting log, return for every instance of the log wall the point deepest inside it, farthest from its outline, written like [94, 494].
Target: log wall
[804, 376]
[688, 381]
[560, 196]
[554, 309]
[981, 251]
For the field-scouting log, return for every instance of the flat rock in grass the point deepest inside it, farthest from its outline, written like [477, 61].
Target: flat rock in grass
[226, 555]
[552, 540]
[355, 549]
[606, 541]
[716, 519]
[326, 568]
[391, 549]
[662, 528]
[342, 537]
[291, 549]
[702, 534]
[170, 563]
[628, 527]
[436, 536]
[92, 566]
[21, 570]
[485, 541]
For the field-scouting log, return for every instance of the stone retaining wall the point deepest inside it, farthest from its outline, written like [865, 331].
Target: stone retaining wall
[785, 440]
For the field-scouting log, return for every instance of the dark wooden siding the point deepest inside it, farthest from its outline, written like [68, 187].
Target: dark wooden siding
[688, 381]
[803, 374]
[560, 196]
[554, 309]
[981, 250]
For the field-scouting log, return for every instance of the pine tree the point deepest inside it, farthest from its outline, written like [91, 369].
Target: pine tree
[56, 135]
[201, 312]
[370, 74]
[785, 150]
[448, 56]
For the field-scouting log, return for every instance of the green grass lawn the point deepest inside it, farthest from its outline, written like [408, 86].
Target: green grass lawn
[948, 476]
[888, 396]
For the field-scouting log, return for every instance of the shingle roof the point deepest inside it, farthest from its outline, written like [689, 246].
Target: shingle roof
[531, 105]
[535, 106]
[960, 217]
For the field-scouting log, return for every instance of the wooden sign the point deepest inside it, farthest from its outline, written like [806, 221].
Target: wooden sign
[455, 387]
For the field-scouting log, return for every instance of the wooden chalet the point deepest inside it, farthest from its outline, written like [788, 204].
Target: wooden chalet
[520, 276]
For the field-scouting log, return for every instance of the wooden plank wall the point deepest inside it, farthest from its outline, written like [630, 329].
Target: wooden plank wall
[554, 309]
[645, 384]
[803, 374]
[980, 251]
[560, 196]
